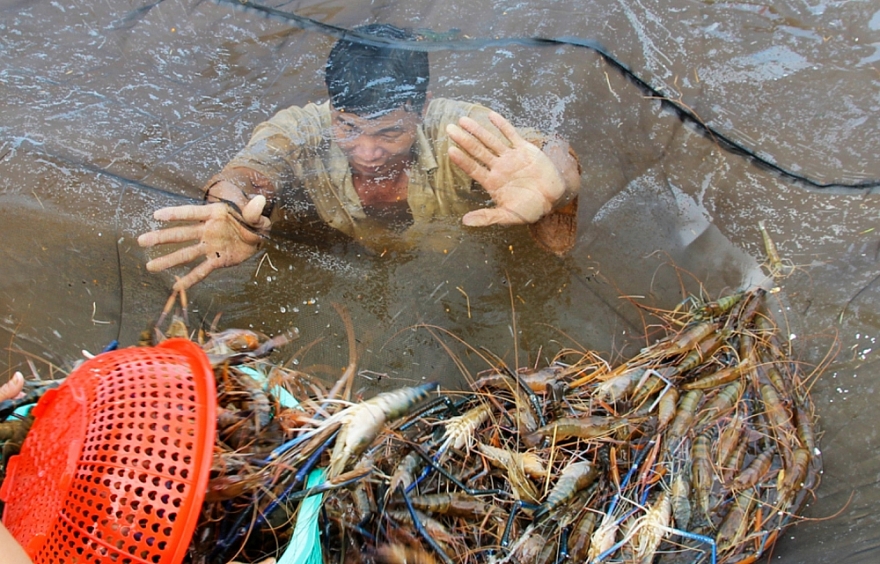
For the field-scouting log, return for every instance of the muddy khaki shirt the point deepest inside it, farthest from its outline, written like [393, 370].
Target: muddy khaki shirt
[311, 177]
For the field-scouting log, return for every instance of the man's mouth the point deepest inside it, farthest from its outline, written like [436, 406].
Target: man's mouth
[368, 168]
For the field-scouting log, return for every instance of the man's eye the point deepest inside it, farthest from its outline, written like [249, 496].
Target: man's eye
[345, 128]
[390, 136]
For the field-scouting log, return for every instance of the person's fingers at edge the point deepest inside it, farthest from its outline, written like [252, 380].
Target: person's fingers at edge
[495, 143]
[466, 163]
[178, 257]
[179, 234]
[13, 387]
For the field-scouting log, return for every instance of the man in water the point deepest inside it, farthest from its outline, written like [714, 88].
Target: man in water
[380, 158]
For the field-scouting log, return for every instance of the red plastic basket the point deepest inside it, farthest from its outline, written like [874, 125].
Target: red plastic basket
[116, 464]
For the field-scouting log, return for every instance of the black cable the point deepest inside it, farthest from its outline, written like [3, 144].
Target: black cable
[431, 43]
[118, 241]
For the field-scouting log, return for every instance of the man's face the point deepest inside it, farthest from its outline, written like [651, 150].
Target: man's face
[377, 146]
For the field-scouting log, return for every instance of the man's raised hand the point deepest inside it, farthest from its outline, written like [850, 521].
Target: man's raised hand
[522, 180]
[218, 234]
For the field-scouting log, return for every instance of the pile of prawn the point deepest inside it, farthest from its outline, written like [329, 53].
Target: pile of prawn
[701, 448]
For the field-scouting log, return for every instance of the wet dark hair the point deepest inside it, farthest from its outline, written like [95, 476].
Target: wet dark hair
[370, 81]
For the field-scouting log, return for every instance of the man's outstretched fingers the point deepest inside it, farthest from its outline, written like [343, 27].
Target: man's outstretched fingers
[178, 257]
[189, 212]
[488, 138]
[195, 275]
[471, 167]
[253, 211]
[506, 128]
[179, 234]
[473, 147]
[491, 216]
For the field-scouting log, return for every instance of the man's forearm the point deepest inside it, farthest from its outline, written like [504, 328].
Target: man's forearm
[239, 185]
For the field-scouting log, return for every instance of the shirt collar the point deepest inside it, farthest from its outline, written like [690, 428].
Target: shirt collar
[426, 159]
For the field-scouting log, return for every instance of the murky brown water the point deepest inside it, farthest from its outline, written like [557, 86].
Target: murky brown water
[111, 109]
